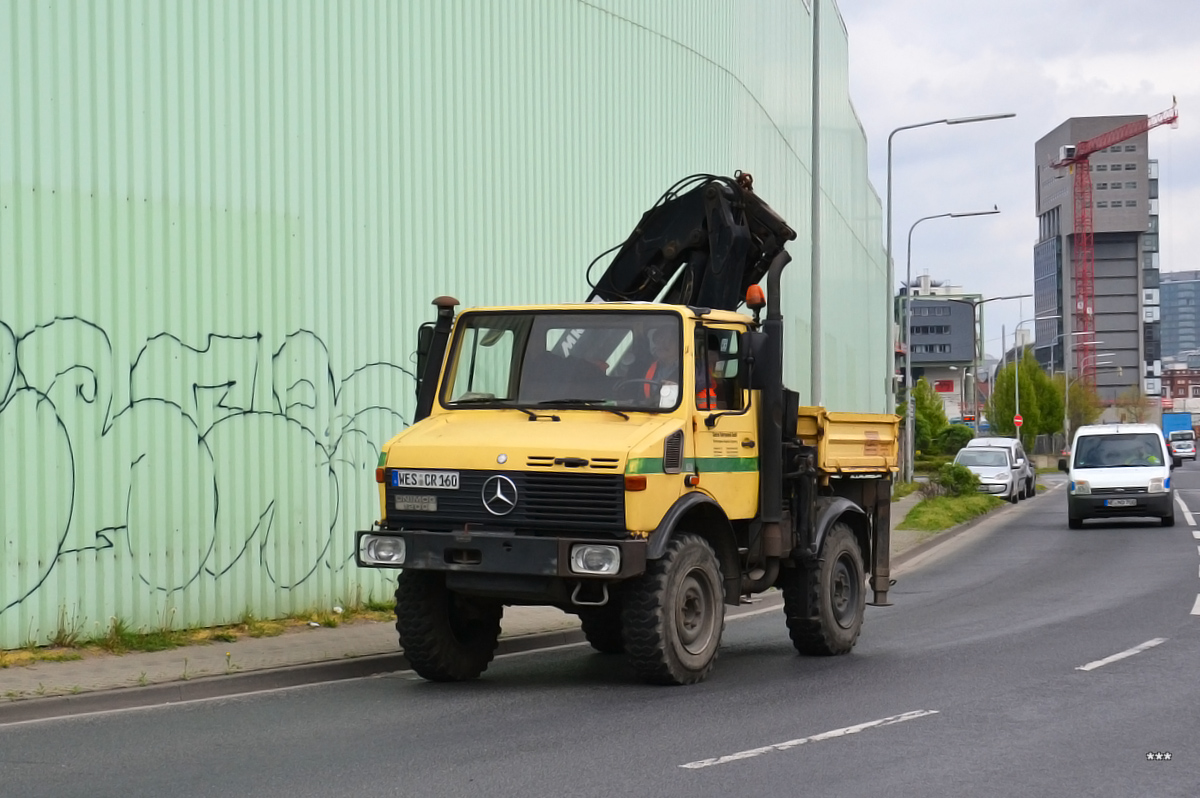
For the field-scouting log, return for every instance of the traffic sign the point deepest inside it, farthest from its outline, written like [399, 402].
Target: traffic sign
[1018, 420]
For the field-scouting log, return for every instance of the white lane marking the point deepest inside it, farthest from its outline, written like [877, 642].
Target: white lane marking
[829, 735]
[1186, 513]
[1135, 650]
[1196, 606]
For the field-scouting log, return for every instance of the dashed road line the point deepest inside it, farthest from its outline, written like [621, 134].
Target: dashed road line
[829, 735]
[1091, 666]
[1196, 606]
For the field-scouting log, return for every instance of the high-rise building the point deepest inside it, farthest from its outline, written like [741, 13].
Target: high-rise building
[1179, 298]
[1126, 277]
[945, 342]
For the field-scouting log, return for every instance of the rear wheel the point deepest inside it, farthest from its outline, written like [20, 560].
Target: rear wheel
[836, 587]
[673, 614]
[446, 637]
[602, 627]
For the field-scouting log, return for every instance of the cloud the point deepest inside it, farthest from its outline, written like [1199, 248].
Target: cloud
[1046, 62]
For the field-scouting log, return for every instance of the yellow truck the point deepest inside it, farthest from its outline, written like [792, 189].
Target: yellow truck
[635, 462]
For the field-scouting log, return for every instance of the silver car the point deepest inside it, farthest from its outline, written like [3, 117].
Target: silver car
[998, 474]
[1016, 452]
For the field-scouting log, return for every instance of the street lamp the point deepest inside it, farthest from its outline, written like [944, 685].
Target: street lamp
[1017, 370]
[909, 410]
[891, 269]
[1067, 390]
[976, 348]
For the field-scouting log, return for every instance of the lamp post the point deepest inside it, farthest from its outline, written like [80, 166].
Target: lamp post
[1067, 390]
[891, 268]
[909, 410]
[976, 348]
[1017, 370]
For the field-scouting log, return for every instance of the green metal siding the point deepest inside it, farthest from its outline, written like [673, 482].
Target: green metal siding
[221, 222]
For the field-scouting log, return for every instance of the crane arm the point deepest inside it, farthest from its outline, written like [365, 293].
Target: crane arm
[719, 232]
[1086, 148]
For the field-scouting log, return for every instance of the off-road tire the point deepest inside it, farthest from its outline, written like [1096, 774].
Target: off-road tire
[446, 637]
[836, 587]
[673, 614]
[602, 626]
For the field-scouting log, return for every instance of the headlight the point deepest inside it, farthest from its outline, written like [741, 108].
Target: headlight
[589, 558]
[1080, 488]
[381, 550]
[1157, 485]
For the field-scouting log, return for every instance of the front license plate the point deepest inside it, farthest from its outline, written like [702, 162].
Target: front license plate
[1120, 502]
[418, 504]
[425, 480]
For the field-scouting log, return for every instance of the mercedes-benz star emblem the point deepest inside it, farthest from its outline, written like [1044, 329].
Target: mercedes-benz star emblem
[499, 495]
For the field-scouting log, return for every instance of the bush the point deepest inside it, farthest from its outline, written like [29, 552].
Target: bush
[953, 438]
[929, 464]
[957, 480]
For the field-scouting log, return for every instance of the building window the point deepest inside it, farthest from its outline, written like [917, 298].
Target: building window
[1102, 204]
[1196, 391]
[1130, 184]
[1101, 167]
[1130, 203]
[1130, 148]
[1130, 167]
[1101, 186]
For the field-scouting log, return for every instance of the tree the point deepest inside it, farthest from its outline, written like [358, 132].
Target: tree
[1134, 405]
[929, 415]
[1041, 401]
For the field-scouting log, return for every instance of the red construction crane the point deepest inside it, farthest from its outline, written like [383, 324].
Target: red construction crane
[1083, 258]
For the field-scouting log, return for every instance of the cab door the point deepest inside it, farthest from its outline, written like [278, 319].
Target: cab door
[725, 427]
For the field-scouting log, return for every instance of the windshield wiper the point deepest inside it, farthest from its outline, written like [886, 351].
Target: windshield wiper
[597, 403]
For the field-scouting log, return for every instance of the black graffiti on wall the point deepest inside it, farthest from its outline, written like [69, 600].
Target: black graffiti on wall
[198, 459]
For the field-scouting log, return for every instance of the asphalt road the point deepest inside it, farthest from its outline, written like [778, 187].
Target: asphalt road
[992, 674]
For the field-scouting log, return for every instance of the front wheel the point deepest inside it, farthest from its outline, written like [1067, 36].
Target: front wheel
[446, 637]
[1168, 520]
[602, 627]
[673, 614]
[836, 587]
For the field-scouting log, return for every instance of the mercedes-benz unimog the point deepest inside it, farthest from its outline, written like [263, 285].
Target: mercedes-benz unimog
[635, 460]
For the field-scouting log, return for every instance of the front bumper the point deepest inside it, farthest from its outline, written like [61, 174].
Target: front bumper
[1146, 505]
[996, 488]
[500, 553]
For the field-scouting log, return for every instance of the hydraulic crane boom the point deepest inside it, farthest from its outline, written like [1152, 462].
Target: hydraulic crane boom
[718, 231]
[1083, 257]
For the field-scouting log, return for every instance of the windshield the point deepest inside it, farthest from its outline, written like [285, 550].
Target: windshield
[994, 458]
[1122, 450]
[562, 359]
[1183, 435]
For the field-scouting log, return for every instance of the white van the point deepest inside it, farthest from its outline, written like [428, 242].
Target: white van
[1119, 471]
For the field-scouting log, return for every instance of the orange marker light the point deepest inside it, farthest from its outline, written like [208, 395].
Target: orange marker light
[755, 299]
[379, 475]
[691, 480]
[635, 482]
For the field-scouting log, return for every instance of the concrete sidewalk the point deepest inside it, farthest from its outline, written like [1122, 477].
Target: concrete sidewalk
[301, 656]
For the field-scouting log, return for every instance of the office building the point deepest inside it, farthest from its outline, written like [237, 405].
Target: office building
[1179, 294]
[1126, 277]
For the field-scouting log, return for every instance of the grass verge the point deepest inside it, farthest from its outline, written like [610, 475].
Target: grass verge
[902, 489]
[943, 512]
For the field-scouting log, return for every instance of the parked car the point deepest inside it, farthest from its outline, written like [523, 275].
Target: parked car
[1027, 477]
[1119, 471]
[1183, 445]
[997, 471]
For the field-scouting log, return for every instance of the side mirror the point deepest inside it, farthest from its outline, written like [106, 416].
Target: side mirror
[752, 347]
[1062, 464]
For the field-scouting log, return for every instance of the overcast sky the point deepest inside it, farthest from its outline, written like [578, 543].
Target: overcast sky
[914, 61]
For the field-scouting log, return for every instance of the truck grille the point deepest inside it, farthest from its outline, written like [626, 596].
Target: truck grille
[552, 502]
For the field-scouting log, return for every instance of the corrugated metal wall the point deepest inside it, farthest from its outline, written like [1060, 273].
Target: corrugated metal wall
[220, 223]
